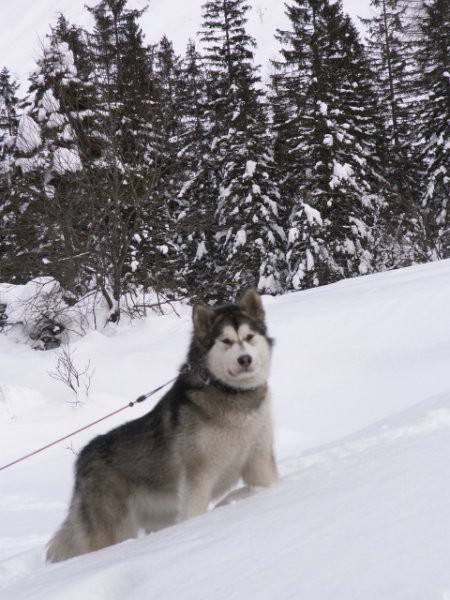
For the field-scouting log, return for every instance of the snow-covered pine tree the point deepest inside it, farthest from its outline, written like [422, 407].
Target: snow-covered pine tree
[248, 239]
[197, 183]
[48, 162]
[166, 261]
[433, 118]
[181, 101]
[124, 83]
[360, 222]
[8, 105]
[390, 46]
[387, 44]
[291, 100]
[9, 117]
[329, 143]
[129, 167]
[157, 245]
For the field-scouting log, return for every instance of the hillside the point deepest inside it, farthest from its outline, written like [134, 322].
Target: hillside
[361, 397]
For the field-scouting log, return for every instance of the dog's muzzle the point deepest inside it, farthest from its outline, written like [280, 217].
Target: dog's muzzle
[245, 360]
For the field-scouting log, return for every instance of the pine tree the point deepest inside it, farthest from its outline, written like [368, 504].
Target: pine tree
[130, 165]
[330, 139]
[50, 163]
[8, 104]
[157, 248]
[390, 45]
[433, 135]
[197, 182]
[92, 166]
[9, 118]
[244, 200]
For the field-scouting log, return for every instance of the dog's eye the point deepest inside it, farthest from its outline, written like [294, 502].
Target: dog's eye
[227, 342]
[249, 337]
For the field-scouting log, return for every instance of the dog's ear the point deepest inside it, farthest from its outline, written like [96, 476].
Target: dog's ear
[202, 317]
[250, 302]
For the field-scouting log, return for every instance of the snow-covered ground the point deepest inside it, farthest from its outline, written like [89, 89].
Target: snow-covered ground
[361, 393]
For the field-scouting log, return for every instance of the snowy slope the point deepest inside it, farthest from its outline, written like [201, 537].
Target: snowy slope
[361, 391]
[24, 24]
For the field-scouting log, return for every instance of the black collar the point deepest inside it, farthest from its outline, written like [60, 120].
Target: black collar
[209, 379]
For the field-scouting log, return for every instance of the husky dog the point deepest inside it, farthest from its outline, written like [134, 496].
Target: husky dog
[210, 429]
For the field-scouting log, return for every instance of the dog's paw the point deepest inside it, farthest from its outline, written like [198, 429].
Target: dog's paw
[236, 496]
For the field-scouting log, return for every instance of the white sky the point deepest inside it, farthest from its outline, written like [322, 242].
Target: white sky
[24, 23]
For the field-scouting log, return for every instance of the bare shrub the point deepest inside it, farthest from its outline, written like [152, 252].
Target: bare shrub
[77, 378]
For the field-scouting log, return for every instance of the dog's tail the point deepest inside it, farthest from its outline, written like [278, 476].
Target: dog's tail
[68, 541]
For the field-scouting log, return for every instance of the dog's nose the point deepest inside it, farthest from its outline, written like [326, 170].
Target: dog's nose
[245, 360]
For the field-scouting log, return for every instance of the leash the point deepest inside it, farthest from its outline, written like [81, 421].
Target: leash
[115, 412]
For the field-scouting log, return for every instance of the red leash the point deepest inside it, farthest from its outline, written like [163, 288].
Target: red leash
[129, 405]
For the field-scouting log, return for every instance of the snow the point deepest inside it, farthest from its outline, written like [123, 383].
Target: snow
[66, 160]
[29, 164]
[361, 403]
[68, 133]
[340, 173]
[312, 214]
[28, 135]
[49, 102]
[240, 238]
[250, 168]
[67, 61]
[201, 251]
[323, 108]
[56, 120]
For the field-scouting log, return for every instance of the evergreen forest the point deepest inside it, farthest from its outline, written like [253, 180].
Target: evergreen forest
[125, 166]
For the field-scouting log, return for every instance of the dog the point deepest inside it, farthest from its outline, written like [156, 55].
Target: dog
[211, 429]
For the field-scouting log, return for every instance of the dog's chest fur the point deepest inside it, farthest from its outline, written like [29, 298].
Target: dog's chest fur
[221, 436]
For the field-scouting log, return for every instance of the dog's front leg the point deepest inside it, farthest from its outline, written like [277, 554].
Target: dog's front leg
[195, 495]
[261, 469]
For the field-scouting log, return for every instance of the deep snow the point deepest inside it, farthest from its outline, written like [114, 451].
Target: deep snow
[361, 394]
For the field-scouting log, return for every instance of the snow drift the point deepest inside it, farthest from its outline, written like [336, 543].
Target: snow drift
[361, 392]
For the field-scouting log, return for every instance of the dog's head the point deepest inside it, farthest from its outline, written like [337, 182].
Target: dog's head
[232, 341]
